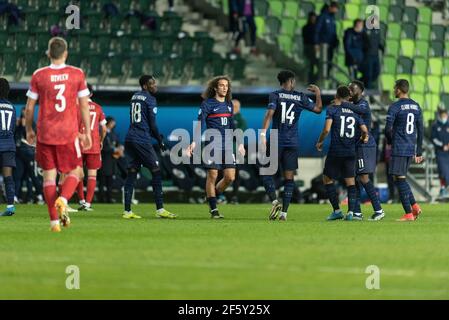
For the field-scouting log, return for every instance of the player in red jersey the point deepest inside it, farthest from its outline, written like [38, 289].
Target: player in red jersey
[92, 157]
[58, 88]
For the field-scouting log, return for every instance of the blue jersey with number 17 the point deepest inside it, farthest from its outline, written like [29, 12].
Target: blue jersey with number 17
[7, 126]
[143, 110]
[288, 106]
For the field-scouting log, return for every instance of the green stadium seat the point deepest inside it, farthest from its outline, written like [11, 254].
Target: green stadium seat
[408, 47]
[198, 68]
[387, 82]
[383, 10]
[423, 32]
[124, 5]
[32, 63]
[380, 2]
[420, 66]
[291, 9]
[389, 64]
[405, 65]
[437, 32]
[432, 101]
[422, 48]
[22, 40]
[177, 67]
[288, 26]
[237, 67]
[347, 24]
[444, 98]
[95, 62]
[225, 6]
[205, 46]
[144, 5]
[395, 13]
[418, 83]
[276, 8]
[435, 66]
[273, 26]
[285, 43]
[305, 8]
[300, 23]
[9, 62]
[171, 22]
[135, 65]
[434, 84]
[261, 8]
[425, 15]
[400, 3]
[115, 63]
[405, 76]
[352, 11]
[167, 43]
[436, 49]
[446, 66]
[218, 64]
[410, 14]
[260, 24]
[408, 30]
[394, 31]
[187, 47]
[428, 116]
[445, 82]
[418, 98]
[392, 47]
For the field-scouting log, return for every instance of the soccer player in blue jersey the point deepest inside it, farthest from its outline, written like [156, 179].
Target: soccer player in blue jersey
[284, 109]
[7, 145]
[404, 131]
[139, 149]
[366, 153]
[216, 112]
[342, 123]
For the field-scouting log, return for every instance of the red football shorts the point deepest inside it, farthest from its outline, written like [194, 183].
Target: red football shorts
[92, 161]
[63, 158]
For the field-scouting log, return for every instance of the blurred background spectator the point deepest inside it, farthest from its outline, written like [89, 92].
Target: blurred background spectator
[353, 45]
[308, 36]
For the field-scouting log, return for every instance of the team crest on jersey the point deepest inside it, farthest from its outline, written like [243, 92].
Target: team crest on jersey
[229, 108]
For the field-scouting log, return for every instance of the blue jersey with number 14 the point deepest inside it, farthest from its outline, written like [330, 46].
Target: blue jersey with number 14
[7, 126]
[287, 106]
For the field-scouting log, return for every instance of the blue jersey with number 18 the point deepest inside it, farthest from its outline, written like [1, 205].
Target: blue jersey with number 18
[287, 106]
[143, 110]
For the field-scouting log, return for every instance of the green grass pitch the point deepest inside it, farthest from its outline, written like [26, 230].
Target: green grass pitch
[242, 257]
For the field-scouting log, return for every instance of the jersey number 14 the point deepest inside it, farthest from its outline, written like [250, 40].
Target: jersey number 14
[287, 114]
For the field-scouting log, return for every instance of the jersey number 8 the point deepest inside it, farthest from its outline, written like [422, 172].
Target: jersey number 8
[410, 127]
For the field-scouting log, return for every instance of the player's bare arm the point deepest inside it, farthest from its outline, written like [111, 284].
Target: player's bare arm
[265, 125]
[319, 103]
[365, 133]
[189, 150]
[323, 135]
[29, 114]
[86, 138]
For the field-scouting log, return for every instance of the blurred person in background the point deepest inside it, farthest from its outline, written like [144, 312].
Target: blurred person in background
[243, 10]
[371, 61]
[353, 45]
[440, 139]
[308, 37]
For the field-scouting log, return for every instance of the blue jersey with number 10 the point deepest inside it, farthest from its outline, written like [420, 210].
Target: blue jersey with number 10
[287, 106]
[7, 126]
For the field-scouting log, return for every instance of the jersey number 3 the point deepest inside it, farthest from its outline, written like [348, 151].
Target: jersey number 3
[60, 107]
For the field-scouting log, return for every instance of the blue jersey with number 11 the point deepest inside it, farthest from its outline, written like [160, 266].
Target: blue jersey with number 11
[287, 106]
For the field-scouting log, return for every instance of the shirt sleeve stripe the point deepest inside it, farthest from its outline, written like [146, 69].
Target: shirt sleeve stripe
[32, 95]
[83, 93]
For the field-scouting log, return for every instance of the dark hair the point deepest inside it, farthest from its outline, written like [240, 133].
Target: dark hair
[90, 88]
[212, 85]
[109, 119]
[343, 92]
[441, 110]
[357, 21]
[56, 47]
[402, 85]
[285, 75]
[334, 4]
[311, 14]
[143, 80]
[4, 88]
[358, 84]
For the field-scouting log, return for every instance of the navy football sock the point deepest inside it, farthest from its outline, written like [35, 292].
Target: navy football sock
[357, 207]
[352, 198]
[331, 192]
[129, 189]
[9, 190]
[156, 183]
[212, 203]
[371, 191]
[270, 188]
[410, 195]
[404, 194]
[289, 185]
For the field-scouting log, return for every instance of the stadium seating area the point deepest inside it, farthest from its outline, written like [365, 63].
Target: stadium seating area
[115, 47]
[415, 48]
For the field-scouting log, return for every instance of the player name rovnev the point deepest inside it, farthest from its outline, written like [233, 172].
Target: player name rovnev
[59, 77]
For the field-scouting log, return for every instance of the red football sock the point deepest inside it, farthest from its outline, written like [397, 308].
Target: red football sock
[69, 186]
[81, 190]
[50, 196]
[91, 183]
